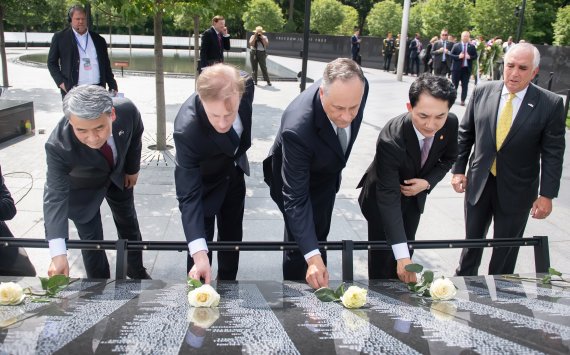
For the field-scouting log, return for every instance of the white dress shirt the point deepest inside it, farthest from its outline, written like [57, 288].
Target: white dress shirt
[88, 74]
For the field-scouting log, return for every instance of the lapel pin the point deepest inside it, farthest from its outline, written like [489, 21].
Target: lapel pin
[441, 137]
[121, 133]
[531, 105]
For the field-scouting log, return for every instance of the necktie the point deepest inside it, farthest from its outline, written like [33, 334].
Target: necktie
[234, 137]
[107, 154]
[503, 127]
[425, 150]
[464, 56]
[444, 47]
[342, 139]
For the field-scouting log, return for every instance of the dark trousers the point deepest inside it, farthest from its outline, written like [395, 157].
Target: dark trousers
[462, 75]
[387, 60]
[506, 225]
[414, 62]
[14, 261]
[381, 263]
[229, 220]
[294, 264]
[259, 57]
[441, 69]
[122, 206]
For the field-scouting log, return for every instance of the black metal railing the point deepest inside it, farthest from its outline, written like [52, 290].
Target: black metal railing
[540, 244]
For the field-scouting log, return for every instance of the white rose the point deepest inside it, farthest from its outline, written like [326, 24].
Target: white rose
[11, 294]
[442, 289]
[443, 310]
[203, 317]
[204, 296]
[354, 297]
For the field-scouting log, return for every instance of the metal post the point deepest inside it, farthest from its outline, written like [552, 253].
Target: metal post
[306, 44]
[550, 80]
[121, 266]
[521, 21]
[541, 254]
[403, 40]
[347, 260]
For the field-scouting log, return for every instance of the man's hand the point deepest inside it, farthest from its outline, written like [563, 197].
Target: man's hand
[459, 182]
[131, 180]
[541, 208]
[317, 274]
[403, 275]
[201, 268]
[413, 187]
[59, 266]
[62, 87]
[224, 31]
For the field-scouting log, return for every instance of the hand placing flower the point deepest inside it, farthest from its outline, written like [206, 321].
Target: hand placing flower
[11, 294]
[202, 295]
[440, 289]
[353, 297]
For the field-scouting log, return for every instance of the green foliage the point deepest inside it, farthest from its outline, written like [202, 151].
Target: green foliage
[496, 17]
[326, 294]
[193, 284]
[350, 21]
[326, 15]
[415, 21]
[362, 7]
[26, 13]
[422, 287]
[451, 14]
[51, 286]
[562, 27]
[385, 16]
[265, 13]
[539, 29]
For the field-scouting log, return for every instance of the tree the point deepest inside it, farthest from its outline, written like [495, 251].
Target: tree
[362, 7]
[385, 17]
[497, 17]
[562, 27]
[326, 15]
[265, 13]
[350, 21]
[540, 28]
[451, 14]
[26, 14]
[415, 22]
[188, 15]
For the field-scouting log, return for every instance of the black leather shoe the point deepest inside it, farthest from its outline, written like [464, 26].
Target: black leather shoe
[268, 83]
[139, 275]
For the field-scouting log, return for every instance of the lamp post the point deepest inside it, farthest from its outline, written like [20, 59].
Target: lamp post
[519, 11]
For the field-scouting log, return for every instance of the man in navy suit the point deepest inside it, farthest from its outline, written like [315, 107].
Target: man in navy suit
[514, 165]
[463, 54]
[214, 41]
[304, 166]
[92, 154]
[212, 133]
[414, 152]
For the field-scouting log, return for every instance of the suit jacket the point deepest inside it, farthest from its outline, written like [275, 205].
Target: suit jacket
[305, 162]
[415, 47]
[533, 148]
[210, 50]
[437, 53]
[456, 50]
[78, 176]
[7, 209]
[397, 159]
[205, 160]
[63, 59]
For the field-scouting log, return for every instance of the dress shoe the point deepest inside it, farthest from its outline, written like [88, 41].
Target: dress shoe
[138, 275]
[268, 83]
[462, 103]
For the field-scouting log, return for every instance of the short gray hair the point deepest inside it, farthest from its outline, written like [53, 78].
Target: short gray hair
[526, 47]
[87, 102]
[341, 69]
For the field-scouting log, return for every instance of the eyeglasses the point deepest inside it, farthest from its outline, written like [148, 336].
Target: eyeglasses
[444, 34]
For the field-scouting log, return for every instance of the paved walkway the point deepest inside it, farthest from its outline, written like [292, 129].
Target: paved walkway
[23, 159]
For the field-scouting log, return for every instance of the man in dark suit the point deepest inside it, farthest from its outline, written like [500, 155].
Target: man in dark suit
[414, 152]
[304, 166]
[14, 261]
[440, 52]
[516, 130]
[78, 56]
[212, 133]
[463, 54]
[355, 45]
[415, 49]
[92, 154]
[214, 41]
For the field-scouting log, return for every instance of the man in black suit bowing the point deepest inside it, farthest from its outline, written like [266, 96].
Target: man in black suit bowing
[93, 153]
[214, 41]
[463, 54]
[78, 56]
[212, 133]
[516, 130]
[304, 166]
[414, 152]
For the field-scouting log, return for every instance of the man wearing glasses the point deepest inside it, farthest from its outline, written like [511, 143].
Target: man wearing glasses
[441, 60]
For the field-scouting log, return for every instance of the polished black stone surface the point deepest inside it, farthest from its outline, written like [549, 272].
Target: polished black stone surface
[488, 316]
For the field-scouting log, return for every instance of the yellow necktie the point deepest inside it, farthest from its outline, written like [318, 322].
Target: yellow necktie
[503, 127]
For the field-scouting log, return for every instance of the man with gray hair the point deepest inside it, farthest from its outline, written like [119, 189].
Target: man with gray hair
[516, 130]
[93, 153]
[304, 166]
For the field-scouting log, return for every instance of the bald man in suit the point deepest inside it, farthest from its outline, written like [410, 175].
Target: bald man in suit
[512, 136]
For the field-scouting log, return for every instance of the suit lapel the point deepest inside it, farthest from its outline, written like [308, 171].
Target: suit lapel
[528, 104]
[494, 100]
[326, 130]
[412, 143]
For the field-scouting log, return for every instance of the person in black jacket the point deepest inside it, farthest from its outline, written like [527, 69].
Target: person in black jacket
[13, 261]
[215, 40]
[78, 56]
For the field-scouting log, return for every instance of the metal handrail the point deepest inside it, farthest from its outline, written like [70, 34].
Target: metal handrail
[122, 246]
